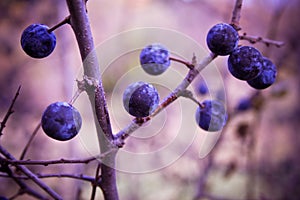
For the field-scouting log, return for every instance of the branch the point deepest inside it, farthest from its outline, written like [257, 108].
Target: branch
[59, 161]
[72, 176]
[81, 27]
[255, 39]
[138, 122]
[31, 175]
[236, 15]
[24, 188]
[9, 112]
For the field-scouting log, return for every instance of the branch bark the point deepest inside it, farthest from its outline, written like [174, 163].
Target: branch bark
[81, 26]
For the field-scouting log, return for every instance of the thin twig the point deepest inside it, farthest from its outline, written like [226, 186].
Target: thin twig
[9, 112]
[24, 188]
[59, 161]
[96, 183]
[255, 39]
[35, 131]
[62, 175]
[31, 175]
[236, 14]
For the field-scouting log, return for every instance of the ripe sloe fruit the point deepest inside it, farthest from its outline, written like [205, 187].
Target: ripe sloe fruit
[37, 42]
[202, 88]
[222, 39]
[266, 77]
[244, 104]
[154, 59]
[245, 63]
[140, 99]
[61, 121]
[212, 116]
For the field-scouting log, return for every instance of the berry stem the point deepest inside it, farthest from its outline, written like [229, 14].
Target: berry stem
[61, 23]
[188, 94]
[189, 65]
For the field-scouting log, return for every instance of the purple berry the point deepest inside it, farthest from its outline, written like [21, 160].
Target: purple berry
[245, 63]
[140, 99]
[202, 88]
[61, 121]
[222, 39]
[154, 59]
[37, 42]
[266, 77]
[244, 104]
[212, 116]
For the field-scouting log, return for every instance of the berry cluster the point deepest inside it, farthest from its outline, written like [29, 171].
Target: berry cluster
[245, 63]
[141, 99]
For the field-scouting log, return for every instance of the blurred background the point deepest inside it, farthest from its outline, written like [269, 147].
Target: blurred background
[256, 156]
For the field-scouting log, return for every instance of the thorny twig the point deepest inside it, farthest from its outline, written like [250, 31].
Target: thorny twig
[9, 112]
[255, 39]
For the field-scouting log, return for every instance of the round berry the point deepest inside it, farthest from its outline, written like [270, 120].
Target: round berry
[222, 39]
[140, 99]
[245, 63]
[3, 198]
[211, 115]
[266, 77]
[244, 104]
[154, 59]
[61, 121]
[37, 42]
[202, 88]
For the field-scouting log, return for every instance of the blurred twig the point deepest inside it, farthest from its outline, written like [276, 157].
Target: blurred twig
[9, 112]
[255, 39]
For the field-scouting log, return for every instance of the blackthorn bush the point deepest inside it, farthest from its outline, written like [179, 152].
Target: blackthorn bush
[61, 121]
[245, 63]
[37, 41]
[154, 59]
[222, 39]
[140, 99]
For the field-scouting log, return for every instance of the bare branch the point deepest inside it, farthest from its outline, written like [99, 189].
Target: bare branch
[256, 39]
[236, 14]
[31, 175]
[10, 111]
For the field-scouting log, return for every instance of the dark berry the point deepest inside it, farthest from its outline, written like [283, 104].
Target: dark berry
[202, 88]
[61, 121]
[266, 77]
[154, 59]
[140, 99]
[245, 63]
[37, 42]
[222, 39]
[211, 115]
[3, 198]
[244, 104]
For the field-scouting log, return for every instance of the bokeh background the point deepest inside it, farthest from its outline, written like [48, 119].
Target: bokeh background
[256, 156]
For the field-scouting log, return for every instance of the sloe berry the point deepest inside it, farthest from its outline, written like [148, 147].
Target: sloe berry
[222, 39]
[154, 59]
[140, 99]
[245, 63]
[211, 115]
[61, 121]
[202, 88]
[37, 42]
[244, 104]
[266, 77]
